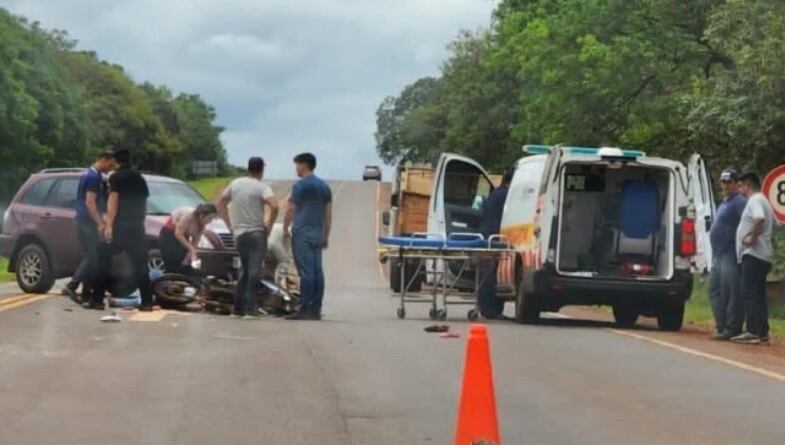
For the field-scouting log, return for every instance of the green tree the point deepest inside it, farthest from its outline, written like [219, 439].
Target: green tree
[198, 132]
[738, 113]
[59, 107]
[409, 127]
[606, 72]
[41, 118]
[480, 93]
[119, 114]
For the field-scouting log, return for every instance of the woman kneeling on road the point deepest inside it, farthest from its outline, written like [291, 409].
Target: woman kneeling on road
[180, 236]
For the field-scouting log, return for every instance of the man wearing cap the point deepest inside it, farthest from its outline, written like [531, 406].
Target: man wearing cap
[91, 198]
[754, 250]
[724, 280]
[251, 226]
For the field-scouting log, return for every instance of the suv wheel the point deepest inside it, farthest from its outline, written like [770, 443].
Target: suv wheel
[527, 309]
[671, 317]
[34, 270]
[626, 315]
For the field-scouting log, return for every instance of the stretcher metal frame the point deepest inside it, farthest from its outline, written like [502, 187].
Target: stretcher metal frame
[443, 286]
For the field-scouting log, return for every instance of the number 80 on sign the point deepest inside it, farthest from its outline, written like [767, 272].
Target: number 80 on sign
[774, 190]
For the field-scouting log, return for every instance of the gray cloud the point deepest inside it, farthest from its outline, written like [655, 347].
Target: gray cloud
[284, 75]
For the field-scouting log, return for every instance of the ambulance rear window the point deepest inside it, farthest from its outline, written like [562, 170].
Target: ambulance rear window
[584, 182]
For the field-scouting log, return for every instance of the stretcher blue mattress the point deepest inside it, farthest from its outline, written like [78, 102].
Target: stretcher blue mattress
[436, 243]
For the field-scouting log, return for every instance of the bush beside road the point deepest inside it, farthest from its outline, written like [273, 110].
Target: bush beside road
[209, 187]
[5, 276]
[698, 310]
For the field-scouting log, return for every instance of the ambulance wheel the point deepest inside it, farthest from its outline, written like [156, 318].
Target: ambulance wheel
[671, 317]
[625, 314]
[527, 309]
[401, 313]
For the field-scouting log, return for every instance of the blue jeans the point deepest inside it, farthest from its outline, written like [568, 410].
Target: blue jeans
[308, 259]
[725, 294]
[252, 247]
[88, 237]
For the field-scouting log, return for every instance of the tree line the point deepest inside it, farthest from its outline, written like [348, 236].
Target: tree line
[60, 107]
[670, 77]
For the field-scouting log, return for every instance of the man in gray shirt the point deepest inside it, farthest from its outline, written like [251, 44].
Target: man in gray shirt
[248, 197]
[754, 250]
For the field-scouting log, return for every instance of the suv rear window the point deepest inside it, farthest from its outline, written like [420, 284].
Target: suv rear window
[64, 195]
[37, 193]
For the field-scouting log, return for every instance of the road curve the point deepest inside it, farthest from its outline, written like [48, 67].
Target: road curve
[359, 377]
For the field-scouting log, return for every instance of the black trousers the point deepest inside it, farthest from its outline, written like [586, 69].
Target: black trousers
[131, 241]
[173, 253]
[252, 247]
[753, 293]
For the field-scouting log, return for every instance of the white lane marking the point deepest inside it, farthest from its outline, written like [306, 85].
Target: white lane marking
[706, 355]
[689, 351]
[232, 337]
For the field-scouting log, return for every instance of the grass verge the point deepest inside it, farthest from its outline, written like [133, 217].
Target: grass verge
[4, 274]
[210, 187]
[698, 309]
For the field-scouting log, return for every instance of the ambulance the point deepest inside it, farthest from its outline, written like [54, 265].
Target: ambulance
[589, 226]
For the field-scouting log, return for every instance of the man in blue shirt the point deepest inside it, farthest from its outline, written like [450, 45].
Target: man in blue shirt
[310, 215]
[491, 306]
[724, 281]
[90, 207]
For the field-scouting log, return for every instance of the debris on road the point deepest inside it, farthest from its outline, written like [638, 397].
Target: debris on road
[437, 328]
[451, 334]
[114, 318]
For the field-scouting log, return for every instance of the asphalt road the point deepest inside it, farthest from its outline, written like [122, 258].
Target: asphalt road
[359, 377]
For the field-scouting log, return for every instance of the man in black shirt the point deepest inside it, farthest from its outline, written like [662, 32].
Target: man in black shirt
[124, 231]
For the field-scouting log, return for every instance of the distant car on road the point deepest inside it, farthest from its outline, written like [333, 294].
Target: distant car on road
[372, 172]
[39, 234]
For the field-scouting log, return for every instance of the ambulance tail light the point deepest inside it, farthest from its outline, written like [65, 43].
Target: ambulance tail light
[687, 241]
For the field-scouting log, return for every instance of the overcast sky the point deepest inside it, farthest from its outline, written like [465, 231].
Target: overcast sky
[284, 75]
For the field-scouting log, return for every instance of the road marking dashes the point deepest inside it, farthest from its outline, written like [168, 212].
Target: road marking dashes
[21, 300]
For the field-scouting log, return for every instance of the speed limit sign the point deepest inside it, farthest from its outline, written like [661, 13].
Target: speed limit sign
[774, 190]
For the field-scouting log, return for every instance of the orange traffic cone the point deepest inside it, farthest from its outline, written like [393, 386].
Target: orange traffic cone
[477, 421]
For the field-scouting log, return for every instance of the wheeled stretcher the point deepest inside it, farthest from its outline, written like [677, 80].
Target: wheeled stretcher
[451, 266]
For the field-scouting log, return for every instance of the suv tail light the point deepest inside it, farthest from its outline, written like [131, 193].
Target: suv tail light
[687, 242]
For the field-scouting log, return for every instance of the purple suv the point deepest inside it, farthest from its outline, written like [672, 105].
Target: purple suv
[39, 234]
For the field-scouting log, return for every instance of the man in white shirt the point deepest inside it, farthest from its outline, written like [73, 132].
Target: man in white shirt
[250, 224]
[754, 250]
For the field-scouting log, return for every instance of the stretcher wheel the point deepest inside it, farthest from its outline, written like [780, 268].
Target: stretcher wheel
[473, 315]
[433, 314]
[441, 314]
[401, 313]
